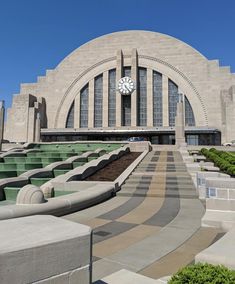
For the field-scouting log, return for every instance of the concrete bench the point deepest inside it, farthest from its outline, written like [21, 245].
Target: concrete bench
[199, 158]
[221, 252]
[210, 168]
[44, 249]
[201, 181]
[124, 276]
[220, 204]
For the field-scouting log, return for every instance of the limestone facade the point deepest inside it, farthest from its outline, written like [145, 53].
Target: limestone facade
[209, 88]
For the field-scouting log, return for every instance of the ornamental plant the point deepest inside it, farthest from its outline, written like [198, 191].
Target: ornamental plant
[203, 274]
[224, 160]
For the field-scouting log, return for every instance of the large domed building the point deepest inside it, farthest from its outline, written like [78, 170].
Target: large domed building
[127, 84]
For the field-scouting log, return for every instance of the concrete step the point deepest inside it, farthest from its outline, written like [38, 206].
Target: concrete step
[128, 277]
[145, 176]
[183, 193]
[11, 192]
[156, 182]
[39, 181]
[167, 186]
[163, 170]
[60, 172]
[161, 166]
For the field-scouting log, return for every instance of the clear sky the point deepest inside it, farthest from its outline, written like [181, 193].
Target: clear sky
[36, 35]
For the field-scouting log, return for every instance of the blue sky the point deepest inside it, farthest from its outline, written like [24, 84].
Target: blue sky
[36, 35]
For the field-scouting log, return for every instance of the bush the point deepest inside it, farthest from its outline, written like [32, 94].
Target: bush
[224, 160]
[231, 170]
[224, 166]
[203, 274]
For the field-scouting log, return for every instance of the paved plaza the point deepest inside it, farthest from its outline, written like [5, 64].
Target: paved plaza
[153, 225]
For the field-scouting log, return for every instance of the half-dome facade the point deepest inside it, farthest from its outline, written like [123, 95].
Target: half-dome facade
[127, 84]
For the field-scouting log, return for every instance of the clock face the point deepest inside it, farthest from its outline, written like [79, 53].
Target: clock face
[125, 86]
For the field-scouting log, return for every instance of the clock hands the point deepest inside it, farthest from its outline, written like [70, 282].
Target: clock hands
[126, 85]
[129, 90]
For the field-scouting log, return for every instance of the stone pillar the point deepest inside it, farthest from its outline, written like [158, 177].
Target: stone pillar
[149, 97]
[105, 98]
[91, 104]
[134, 95]
[38, 128]
[77, 111]
[2, 111]
[119, 73]
[165, 108]
[179, 124]
[31, 124]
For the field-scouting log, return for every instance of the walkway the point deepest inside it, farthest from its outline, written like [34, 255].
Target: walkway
[153, 224]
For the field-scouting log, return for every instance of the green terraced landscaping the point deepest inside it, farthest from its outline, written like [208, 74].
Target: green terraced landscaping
[60, 172]
[8, 173]
[11, 192]
[81, 147]
[60, 192]
[7, 202]
[16, 165]
[78, 164]
[39, 181]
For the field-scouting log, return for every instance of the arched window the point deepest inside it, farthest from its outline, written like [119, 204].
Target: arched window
[70, 117]
[126, 101]
[173, 98]
[98, 101]
[84, 107]
[189, 115]
[112, 98]
[142, 97]
[157, 99]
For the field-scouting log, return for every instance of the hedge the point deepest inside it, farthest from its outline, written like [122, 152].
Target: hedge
[203, 274]
[224, 160]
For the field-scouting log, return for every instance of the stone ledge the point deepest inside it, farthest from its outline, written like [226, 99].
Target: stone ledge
[124, 276]
[221, 252]
[39, 247]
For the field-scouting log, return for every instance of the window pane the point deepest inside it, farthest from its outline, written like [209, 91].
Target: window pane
[84, 107]
[189, 115]
[98, 101]
[157, 99]
[70, 117]
[142, 97]
[126, 101]
[173, 98]
[112, 98]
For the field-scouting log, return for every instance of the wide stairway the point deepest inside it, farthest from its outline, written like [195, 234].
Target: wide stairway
[160, 174]
[153, 225]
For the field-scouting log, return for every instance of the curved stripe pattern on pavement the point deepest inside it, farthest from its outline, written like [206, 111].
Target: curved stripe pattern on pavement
[155, 213]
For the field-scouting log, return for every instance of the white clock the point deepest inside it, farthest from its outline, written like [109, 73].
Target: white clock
[125, 86]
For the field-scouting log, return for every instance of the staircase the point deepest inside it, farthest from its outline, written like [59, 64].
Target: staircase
[163, 171]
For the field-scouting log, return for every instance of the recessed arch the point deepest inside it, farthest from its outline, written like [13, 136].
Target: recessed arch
[184, 84]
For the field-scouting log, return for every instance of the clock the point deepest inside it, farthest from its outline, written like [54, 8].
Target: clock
[125, 86]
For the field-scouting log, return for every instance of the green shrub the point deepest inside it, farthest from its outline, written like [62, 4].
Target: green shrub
[231, 170]
[224, 160]
[204, 151]
[203, 274]
[224, 166]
